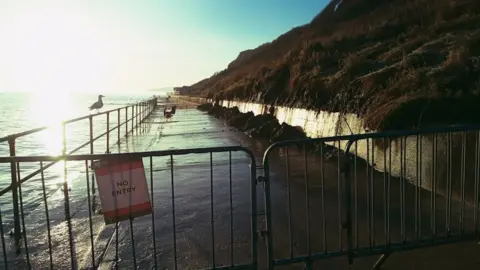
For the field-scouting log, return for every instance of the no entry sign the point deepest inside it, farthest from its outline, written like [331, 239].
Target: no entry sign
[123, 190]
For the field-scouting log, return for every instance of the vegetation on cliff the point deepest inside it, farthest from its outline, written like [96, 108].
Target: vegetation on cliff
[396, 63]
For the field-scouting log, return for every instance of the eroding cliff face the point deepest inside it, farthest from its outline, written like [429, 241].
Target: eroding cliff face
[396, 64]
[444, 163]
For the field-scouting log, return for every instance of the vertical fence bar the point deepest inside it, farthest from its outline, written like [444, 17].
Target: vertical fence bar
[132, 238]
[307, 205]
[417, 191]
[212, 224]
[268, 221]
[141, 116]
[4, 247]
[433, 199]
[231, 206]
[67, 199]
[402, 202]
[322, 198]
[153, 215]
[173, 213]
[27, 253]
[90, 119]
[47, 215]
[348, 203]
[462, 182]
[404, 188]
[117, 258]
[389, 199]
[289, 201]
[372, 194]
[339, 196]
[420, 176]
[369, 213]
[108, 132]
[476, 185]
[385, 190]
[92, 246]
[253, 211]
[16, 214]
[449, 184]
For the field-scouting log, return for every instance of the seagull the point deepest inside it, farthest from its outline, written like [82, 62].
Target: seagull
[99, 104]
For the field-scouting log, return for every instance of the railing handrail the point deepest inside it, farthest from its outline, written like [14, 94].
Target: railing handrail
[39, 129]
[119, 156]
[158, 153]
[379, 134]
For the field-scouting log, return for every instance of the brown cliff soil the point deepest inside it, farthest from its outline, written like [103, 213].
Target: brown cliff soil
[397, 63]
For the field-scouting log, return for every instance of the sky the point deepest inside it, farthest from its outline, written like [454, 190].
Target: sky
[119, 45]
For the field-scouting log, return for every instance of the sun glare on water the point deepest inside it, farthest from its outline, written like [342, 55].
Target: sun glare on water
[50, 110]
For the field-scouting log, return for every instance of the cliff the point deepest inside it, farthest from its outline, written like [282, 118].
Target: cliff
[395, 63]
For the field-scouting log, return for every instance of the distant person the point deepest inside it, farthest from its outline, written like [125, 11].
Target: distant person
[167, 113]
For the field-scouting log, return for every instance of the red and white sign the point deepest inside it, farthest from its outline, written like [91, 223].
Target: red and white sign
[123, 189]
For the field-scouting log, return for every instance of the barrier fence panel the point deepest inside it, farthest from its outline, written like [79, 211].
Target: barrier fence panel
[368, 194]
[203, 213]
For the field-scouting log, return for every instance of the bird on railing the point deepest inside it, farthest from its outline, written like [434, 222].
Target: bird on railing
[97, 105]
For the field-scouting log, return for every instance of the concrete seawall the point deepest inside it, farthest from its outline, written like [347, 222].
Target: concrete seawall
[439, 169]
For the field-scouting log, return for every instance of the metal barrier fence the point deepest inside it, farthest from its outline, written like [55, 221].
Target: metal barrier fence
[200, 217]
[368, 194]
[134, 115]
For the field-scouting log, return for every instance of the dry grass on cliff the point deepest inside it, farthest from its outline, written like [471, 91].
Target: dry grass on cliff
[398, 63]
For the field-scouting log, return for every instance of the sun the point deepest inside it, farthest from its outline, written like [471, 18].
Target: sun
[57, 51]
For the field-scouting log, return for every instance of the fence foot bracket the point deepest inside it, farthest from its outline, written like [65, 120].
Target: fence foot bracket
[261, 179]
[262, 233]
[381, 260]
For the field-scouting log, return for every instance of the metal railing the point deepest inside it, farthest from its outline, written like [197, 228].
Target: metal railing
[134, 115]
[199, 216]
[374, 193]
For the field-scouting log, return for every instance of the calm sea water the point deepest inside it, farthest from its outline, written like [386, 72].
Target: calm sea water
[23, 111]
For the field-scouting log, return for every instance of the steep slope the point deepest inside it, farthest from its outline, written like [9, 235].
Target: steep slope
[396, 63]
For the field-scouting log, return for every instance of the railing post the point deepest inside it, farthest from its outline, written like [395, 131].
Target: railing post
[126, 121]
[136, 117]
[91, 152]
[133, 116]
[119, 124]
[16, 215]
[108, 132]
[141, 116]
[347, 224]
[65, 181]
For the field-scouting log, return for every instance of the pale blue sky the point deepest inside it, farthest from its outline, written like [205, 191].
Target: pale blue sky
[116, 45]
